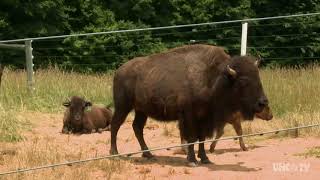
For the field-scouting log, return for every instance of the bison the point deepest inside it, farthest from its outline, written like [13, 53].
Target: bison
[78, 118]
[235, 121]
[199, 85]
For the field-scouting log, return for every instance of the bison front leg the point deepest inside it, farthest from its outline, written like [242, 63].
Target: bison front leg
[184, 149]
[66, 129]
[139, 122]
[237, 127]
[187, 133]
[214, 143]
[202, 152]
[191, 157]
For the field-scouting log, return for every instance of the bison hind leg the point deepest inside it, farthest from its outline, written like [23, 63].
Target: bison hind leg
[139, 122]
[118, 118]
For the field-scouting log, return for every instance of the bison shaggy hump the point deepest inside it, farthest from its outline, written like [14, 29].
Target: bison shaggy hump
[199, 85]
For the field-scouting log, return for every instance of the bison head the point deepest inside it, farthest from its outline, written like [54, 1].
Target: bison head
[245, 86]
[265, 114]
[76, 107]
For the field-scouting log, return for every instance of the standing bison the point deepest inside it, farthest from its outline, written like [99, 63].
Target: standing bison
[199, 85]
[78, 118]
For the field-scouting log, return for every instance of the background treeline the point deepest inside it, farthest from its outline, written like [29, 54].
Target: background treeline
[292, 41]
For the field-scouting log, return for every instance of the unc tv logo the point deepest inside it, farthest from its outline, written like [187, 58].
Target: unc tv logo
[291, 167]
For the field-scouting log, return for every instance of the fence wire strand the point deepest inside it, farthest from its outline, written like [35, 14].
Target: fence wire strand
[163, 27]
[22, 170]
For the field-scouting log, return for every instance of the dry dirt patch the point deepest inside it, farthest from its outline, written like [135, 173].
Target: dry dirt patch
[44, 144]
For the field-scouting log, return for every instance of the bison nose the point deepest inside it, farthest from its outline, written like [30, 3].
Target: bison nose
[77, 117]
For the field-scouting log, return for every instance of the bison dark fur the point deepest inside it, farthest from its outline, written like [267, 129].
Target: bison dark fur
[83, 117]
[199, 85]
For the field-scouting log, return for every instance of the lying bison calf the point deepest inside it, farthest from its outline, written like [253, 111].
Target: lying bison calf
[79, 118]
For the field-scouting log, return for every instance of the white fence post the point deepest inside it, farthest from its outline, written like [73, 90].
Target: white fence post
[244, 38]
[29, 64]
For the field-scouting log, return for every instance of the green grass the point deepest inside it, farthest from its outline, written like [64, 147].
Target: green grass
[293, 94]
[292, 90]
[11, 125]
[52, 88]
[312, 152]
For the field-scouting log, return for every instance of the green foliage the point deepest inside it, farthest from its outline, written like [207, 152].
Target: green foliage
[290, 41]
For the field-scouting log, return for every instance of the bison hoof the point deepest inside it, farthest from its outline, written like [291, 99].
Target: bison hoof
[192, 164]
[244, 149]
[211, 150]
[205, 161]
[147, 155]
[113, 152]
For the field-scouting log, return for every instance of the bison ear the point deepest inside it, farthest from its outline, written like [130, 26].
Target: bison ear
[88, 103]
[231, 72]
[66, 104]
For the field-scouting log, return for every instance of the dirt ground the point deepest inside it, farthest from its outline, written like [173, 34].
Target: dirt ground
[266, 159]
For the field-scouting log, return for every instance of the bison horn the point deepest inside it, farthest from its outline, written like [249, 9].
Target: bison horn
[257, 62]
[231, 71]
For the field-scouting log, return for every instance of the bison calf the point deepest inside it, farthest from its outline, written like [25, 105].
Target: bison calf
[235, 121]
[83, 117]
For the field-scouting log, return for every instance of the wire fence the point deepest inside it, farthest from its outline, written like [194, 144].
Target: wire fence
[269, 37]
[195, 33]
[128, 154]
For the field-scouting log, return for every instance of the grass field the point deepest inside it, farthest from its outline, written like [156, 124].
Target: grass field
[293, 94]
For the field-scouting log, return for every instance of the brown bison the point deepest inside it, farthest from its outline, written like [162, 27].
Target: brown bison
[78, 118]
[198, 85]
[235, 121]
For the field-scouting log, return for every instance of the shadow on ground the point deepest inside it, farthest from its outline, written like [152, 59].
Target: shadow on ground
[182, 162]
[232, 150]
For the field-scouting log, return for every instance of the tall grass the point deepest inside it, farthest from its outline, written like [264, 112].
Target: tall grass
[11, 125]
[39, 152]
[293, 94]
[292, 90]
[52, 87]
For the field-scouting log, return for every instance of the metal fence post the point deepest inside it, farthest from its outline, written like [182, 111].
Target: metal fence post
[244, 38]
[29, 64]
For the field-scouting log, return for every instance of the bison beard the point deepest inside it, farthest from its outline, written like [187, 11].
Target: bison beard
[198, 85]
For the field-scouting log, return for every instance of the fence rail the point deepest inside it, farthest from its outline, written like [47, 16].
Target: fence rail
[22, 170]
